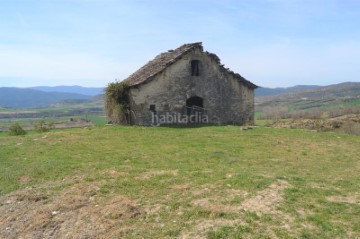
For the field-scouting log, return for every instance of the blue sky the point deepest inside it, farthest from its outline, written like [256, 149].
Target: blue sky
[273, 43]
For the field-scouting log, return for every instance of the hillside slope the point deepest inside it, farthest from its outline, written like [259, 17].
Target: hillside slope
[342, 90]
[333, 96]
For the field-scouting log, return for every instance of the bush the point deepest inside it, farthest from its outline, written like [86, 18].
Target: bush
[16, 129]
[42, 126]
[117, 107]
[350, 127]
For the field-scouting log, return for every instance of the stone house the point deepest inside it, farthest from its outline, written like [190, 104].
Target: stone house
[188, 85]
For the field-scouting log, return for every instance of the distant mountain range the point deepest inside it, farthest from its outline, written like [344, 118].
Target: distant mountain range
[30, 98]
[346, 89]
[40, 96]
[92, 91]
[263, 91]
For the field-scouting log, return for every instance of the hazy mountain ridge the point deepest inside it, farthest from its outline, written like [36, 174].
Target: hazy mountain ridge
[342, 90]
[91, 91]
[29, 98]
[264, 91]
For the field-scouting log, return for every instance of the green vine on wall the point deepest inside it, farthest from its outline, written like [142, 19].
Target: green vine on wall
[117, 104]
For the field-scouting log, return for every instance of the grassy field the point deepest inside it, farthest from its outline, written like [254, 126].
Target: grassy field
[207, 182]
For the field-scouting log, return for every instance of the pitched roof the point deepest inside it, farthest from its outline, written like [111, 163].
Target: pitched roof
[162, 61]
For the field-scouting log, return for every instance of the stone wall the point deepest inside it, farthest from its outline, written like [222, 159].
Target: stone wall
[226, 100]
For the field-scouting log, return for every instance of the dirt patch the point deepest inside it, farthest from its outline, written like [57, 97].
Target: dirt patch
[180, 187]
[266, 200]
[77, 211]
[232, 193]
[25, 179]
[113, 173]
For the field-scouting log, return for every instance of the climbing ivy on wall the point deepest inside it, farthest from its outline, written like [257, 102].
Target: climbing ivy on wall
[117, 106]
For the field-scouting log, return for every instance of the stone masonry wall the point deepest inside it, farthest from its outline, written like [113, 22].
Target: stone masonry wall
[226, 100]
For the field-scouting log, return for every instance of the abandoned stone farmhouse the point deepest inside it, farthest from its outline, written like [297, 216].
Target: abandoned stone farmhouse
[189, 85]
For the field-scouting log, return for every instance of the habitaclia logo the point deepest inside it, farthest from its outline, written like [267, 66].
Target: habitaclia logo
[177, 118]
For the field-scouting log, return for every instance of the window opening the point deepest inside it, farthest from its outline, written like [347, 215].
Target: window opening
[195, 71]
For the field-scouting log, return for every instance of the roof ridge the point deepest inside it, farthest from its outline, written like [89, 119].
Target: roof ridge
[165, 59]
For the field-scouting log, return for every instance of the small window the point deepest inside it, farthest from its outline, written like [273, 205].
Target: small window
[153, 108]
[195, 71]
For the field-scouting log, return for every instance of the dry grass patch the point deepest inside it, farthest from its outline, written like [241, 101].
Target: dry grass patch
[266, 200]
[25, 179]
[180, 187]
[154, 173]
[113, 173]
[74, 212]
[353, 199]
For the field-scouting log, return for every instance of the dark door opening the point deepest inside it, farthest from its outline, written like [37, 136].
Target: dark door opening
[194, 107]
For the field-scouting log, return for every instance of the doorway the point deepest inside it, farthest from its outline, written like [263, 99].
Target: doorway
[194, 106]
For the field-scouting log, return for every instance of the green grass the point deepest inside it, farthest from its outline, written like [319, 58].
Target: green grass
[174, 168]
[97, 119]
[307, 105]
[350, 103]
